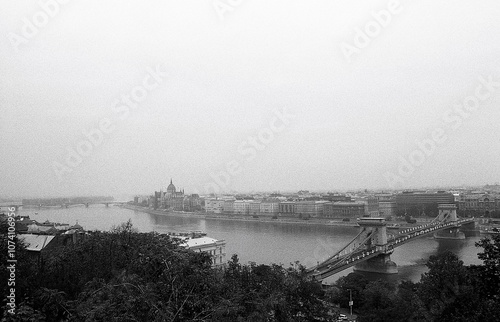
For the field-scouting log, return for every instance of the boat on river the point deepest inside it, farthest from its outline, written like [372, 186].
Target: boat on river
[490, 230]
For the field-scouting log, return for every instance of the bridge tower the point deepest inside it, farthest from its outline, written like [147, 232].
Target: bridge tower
[374, 235]
[448, 214]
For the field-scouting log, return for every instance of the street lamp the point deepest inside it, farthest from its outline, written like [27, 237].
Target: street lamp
[350, 300]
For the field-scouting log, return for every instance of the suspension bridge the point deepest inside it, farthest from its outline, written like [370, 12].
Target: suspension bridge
[371, 248]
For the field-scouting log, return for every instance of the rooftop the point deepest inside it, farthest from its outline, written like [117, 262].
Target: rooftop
[36, 242]
[348, 203]
[193, 242]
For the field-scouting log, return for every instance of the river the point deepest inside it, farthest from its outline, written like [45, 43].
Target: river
[265, 242]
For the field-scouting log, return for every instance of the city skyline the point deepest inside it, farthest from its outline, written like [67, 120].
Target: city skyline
[122, 197]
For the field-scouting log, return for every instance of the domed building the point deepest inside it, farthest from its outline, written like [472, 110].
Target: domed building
[76, 226]
[171, 187]
[172, 191]
[171, 198]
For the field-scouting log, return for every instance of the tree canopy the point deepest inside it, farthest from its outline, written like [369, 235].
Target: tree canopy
[124, 275]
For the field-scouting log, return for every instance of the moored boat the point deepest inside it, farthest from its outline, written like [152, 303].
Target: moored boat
[489, 230]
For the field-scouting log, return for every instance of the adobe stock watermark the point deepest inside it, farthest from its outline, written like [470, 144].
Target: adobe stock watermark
[222, 7]
[11, 260]
[248, 150]
[453, 119]
[371, 30]
[31, 27]
[94, 137]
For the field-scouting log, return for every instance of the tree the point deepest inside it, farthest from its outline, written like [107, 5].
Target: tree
[353, 283]
[407, 304]
[445, 282]
[270, 293]
[378, 303]
[486, 279]
[491, 264]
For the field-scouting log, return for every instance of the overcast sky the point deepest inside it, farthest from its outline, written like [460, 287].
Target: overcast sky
[332, 99]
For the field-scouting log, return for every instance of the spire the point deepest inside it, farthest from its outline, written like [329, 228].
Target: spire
[170, 180]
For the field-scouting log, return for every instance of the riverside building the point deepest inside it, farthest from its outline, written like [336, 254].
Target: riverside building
[338, 210]
[215, 248]
[419, 203]
[479, 204]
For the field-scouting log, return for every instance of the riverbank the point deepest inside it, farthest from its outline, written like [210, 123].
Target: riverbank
[393, 225]
[281, 220]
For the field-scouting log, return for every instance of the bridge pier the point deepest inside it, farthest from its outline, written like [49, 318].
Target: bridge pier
[381, 264]
[374, 233]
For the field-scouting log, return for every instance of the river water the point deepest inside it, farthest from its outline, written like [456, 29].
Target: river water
[265, 242]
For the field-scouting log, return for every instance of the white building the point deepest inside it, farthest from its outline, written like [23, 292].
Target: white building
[309, 208]
[482, 203]
[241, 207]
[215, 248]
[215, 206]
[269, 207]
[254, 208]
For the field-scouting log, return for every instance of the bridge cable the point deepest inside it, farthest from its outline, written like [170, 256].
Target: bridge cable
[346, 256]
[343, 248]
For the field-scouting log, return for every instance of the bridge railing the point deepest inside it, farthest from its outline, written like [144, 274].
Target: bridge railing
[424, 229]
[328, 270]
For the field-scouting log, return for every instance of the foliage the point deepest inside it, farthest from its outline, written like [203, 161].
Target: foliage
[123, 275]
[446, 284]
[349, 286]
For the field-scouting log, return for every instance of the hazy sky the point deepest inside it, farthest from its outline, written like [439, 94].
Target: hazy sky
[196, 91]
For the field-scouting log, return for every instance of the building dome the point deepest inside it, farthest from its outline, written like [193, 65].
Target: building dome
[171, 187]
[76, 226]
